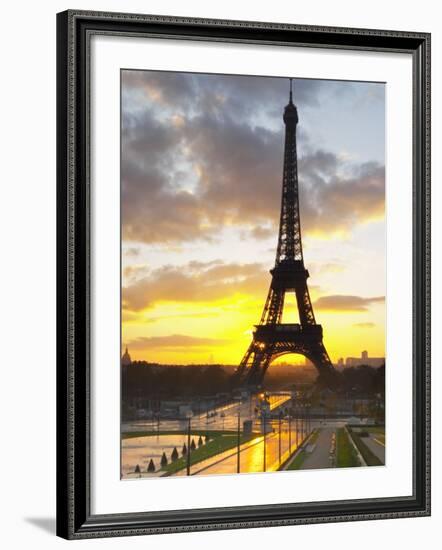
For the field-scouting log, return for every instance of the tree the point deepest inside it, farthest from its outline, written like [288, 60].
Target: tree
[200, 441]
[151, 467]
[192, 445]
[174, 455]
[137, 469]
[163, 460]
[184, 451]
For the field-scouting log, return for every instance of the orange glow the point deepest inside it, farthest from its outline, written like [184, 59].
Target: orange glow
[222, 331]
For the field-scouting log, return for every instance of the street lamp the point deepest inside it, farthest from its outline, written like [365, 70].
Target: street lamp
[302, 422]
[290, 433]
[279, 437]
[265, 442]
[238, 443]
[238, 439]
[188, 447]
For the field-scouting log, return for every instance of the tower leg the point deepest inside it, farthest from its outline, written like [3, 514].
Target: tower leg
[259, 356]
[328, 377]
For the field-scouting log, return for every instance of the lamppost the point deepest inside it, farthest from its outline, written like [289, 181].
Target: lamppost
[279, 437]
[302, 422]
[290, 433]
[265, 442]
[188, 447]
[238, 443]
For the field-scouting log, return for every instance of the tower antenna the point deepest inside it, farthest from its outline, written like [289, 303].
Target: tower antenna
[291, 92]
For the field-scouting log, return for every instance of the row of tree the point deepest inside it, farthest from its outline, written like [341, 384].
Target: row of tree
[174, 455]
[163, 382]
[363, 380]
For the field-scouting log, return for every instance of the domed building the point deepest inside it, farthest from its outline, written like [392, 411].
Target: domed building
[126, 361]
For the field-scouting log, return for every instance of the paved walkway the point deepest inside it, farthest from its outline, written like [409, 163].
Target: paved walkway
[319, 458]
[375, 447]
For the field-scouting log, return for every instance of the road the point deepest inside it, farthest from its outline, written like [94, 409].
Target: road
[252, 453]
[375, 447]
[224, 417]
[319, 458]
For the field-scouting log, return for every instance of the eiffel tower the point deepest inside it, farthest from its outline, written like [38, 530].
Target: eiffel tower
[271, 337]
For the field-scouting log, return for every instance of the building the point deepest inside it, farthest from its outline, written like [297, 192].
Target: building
[126, 361]
[364, 360]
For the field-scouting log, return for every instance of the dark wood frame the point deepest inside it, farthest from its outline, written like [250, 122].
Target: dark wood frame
[74, 519]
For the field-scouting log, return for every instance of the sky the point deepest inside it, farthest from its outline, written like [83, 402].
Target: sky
[201, 175]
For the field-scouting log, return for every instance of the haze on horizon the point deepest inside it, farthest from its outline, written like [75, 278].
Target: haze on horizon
[201, 173]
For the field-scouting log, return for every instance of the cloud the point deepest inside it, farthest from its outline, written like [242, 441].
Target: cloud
[318, 268]
[259, 232]
[364, 325]
[131, 251]
[134, 271]
[200, 152]
[240, 96]
[336, 202]
[195, 282]
[173, 342]
[345, 303]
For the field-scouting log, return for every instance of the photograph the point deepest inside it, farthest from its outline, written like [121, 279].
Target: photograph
[222, 258]
[253, 274]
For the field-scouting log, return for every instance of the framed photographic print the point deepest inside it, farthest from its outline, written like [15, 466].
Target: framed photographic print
[243, 274]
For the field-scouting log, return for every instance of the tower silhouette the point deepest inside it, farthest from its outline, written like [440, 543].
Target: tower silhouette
[272, 338]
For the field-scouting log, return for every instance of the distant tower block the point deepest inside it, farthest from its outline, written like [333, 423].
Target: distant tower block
[125, 359]
[272, 338]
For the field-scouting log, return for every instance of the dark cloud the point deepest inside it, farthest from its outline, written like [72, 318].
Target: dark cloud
[195, 283]
[337, 203]
[153, 208]
[346, 303]
[195, 159]
[212, 93]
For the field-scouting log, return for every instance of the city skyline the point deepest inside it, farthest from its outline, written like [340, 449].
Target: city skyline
[201, 186]
[298, 360]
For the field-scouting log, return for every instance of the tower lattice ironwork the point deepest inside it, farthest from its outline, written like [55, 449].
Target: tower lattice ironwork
[271, 337]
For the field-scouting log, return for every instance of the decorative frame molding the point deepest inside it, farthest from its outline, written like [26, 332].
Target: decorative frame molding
[74, 30]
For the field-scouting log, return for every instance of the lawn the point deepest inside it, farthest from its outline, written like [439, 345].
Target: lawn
[220, 443]
[301, 456]
[298, 461]
[370, 458]
[346, 455]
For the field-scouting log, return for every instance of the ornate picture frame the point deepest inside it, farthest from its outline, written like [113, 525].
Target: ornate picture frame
[75, 519]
